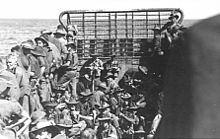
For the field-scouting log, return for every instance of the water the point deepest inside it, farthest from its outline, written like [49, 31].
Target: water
[14, 31]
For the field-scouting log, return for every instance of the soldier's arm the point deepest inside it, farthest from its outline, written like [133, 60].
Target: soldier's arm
[165, 27]
[133, 121]
[75, 59]
[42, 65]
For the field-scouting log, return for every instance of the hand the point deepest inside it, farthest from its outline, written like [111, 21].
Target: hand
[75, 113]
[121, 114]
[61, 105]
[32, 73]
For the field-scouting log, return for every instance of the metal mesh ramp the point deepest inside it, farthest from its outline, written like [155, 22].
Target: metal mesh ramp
[122, 33]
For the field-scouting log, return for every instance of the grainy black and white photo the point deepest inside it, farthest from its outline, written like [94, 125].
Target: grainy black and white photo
[109, 69]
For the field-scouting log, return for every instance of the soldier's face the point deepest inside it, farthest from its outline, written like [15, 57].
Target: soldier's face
[109, 80]
[70, 38]
[106, 125]
[11, 63]
[173, 19]
[40, 43]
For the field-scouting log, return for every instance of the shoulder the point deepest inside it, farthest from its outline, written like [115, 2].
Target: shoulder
[10, 104]
[19, 70]
[8, 76]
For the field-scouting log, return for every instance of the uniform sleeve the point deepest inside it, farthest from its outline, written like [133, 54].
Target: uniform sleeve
[19, 76]
[63, 49]
[165, 26]
[42, 63]
[69, 57]
[75, 59]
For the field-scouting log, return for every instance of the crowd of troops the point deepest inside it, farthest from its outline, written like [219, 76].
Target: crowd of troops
[45, 94]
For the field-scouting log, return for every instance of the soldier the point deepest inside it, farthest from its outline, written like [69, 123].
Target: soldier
[78, 125]
[106, 69]
[23, 81]
[55, 51]
[105, 111]
[86, 106]
[84, 84]
[33, 63]
[69, 67]
[44, 86]
[23, 61]
[106, 130]
[41, 42]
[27, 48]
[127, 118]
[92, 67]
[114, 65]
[116, 101]
[60, 41]
[51, 113]
[14, 90]
[172, 28]
[157, 40]
[100, 93]
[110, 81]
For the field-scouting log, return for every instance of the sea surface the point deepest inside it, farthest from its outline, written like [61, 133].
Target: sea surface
[14, 31]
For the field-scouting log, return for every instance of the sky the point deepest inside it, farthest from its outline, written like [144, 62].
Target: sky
[50, 9]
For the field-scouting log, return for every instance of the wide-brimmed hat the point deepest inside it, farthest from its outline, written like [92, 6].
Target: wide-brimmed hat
[87, 93]
[64, 123]
[44, 31]
[69, 34]
[133, 108]
[72, 102]
[140, 132]
[50, 104]
[104, 106]
[41, 39]
[71, 44]
[173, 16]
[72, 28]
[102, 85]
[86, 76]
[60, 32]
[37, 116]
[28, 45]
[118, 90]
[126, 96]
[104, 119]
[38, 51]
[109, 75]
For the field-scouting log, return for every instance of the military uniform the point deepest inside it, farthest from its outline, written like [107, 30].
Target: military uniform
[14, 91]
[70, 69]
